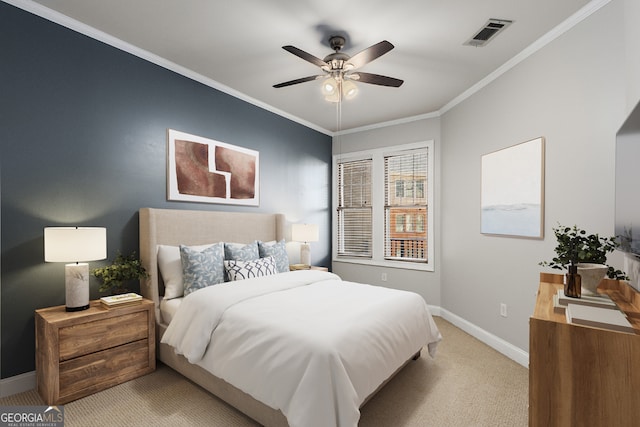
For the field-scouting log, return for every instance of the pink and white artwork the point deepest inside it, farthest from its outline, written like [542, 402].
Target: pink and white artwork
[204, 170]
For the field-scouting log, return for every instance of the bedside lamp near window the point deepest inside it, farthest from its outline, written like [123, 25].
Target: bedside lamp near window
[305, 233]
[75, 245]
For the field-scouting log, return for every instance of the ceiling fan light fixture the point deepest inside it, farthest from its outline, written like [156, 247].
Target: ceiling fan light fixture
[329, 86]
[331, 89]
[333, 98]
[349, 89]
[338, 66]
[335, 88]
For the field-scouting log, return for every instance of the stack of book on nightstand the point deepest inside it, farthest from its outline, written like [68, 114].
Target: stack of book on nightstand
[120, 300]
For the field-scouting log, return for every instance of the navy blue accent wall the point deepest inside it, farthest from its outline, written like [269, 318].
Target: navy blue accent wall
[83, 142]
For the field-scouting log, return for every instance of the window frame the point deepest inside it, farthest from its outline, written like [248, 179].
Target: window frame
[377, 201]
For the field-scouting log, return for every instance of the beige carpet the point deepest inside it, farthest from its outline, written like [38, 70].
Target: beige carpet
[467, 384]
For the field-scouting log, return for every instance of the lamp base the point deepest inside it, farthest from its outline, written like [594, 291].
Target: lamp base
[305, 254]
[84, 307]
[76, 286]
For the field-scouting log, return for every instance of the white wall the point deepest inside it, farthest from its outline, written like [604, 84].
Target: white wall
[425, 283]
[632, 38]
[575, 92]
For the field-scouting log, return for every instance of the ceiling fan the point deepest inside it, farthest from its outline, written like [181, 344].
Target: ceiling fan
[339, 69]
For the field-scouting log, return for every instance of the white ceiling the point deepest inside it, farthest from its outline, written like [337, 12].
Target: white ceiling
[236, 46]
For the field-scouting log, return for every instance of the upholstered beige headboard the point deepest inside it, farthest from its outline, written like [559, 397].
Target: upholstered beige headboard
[175, 227]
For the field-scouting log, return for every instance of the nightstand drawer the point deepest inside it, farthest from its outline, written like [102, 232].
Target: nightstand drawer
[102, 334]
[96, 371]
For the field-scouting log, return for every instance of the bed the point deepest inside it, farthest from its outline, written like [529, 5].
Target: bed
[294, 348]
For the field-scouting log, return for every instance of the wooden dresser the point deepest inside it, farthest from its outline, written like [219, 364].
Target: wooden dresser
[583, 376]
[83, 352]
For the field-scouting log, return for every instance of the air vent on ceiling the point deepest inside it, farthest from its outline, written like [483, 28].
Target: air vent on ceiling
[488, 32]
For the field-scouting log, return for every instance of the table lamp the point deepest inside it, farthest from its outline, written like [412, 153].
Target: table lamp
[75, 245]
[304, 233]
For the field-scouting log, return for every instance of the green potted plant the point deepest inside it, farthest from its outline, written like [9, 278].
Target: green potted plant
[576, 247]
[115, 277]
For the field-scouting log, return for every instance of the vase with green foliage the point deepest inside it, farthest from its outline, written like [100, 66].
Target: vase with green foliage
[115, 277]
[575, 247]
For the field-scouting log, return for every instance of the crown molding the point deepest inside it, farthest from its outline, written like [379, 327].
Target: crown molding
[589, 9]
[58, 18]
[72, 24]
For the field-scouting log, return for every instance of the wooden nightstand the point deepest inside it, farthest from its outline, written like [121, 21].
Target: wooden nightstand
[294, 267]
[83, 352]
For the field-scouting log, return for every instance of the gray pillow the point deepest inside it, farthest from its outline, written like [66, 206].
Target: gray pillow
[202, 268]
[241, 251]
[278, 251]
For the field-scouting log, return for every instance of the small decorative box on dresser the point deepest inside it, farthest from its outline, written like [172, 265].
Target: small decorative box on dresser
[83, 352]
[582, 375]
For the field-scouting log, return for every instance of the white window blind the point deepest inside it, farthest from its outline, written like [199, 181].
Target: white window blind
[405, 179]
[354, 208]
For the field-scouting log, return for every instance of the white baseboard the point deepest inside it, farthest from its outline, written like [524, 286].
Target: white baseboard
[511, 351]
[27, 381]
[434, 310]
[18, 384]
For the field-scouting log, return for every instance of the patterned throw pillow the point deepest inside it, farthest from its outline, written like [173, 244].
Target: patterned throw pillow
[170, 266]
[202, 268]
[278, 251]
[240, 270]
[241, 251]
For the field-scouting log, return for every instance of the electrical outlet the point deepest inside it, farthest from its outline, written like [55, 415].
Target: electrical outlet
[383, 277]
[503, 310]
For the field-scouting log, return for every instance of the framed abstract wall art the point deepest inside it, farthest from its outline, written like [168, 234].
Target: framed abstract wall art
[512, 191]
[204, 170]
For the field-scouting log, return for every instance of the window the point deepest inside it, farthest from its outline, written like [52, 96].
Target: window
[399, 220]
[399, 188]
[354, 208]
[410, 168]
[408, 224]
[420, 189]
[383, 206]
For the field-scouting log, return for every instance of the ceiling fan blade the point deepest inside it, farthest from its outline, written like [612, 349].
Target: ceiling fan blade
[376, 79]
[296, 81]
[370, 53]
[304, 55]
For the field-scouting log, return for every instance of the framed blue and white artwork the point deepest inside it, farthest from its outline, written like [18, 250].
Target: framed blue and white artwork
[512, 191]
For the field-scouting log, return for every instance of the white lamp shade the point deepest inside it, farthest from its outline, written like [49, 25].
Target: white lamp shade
[304, 233]
[75, 244]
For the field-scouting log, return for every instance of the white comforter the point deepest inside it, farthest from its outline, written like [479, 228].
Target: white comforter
[304, 342]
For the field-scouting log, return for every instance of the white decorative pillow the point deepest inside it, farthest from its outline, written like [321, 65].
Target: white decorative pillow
[202, 268]
[170, 267]
[241, 251]
[239, 270]
[278, 251]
